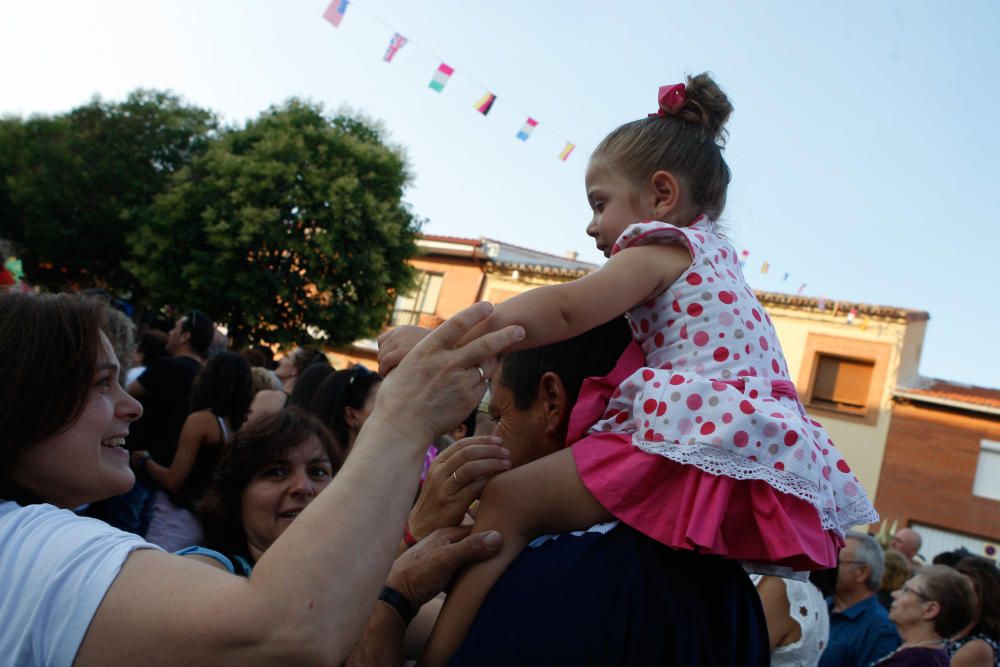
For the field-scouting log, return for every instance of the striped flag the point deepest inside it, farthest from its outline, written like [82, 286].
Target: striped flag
[765, 267]
[802, 288]
[395, 44]
[335, 12]
[564, 155]
[441, 77]
[527, 128]
[785, 278]
[485, 103]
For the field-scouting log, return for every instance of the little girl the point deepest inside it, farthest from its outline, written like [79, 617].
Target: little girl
[706, 447]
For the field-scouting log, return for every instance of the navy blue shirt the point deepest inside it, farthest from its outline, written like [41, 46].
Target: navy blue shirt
[859, 635]
[617, 598]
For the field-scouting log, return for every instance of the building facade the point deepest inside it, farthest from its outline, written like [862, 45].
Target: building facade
[453, 273]
[941, 473]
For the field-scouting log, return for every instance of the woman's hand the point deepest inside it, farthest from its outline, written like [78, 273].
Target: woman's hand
[439, 382]
[426, 569]
[394, 344]
[454, 481]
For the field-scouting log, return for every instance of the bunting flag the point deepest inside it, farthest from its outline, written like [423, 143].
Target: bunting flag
[485, 103]
[765, 267]
[851, 315]
[527, 128]
[785, 278]
[821, 304]
[335, 12]
[802, 288]
[441, 77]
[395, 44]
[743, 257]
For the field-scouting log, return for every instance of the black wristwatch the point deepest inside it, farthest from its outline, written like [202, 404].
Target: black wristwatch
[399, 602]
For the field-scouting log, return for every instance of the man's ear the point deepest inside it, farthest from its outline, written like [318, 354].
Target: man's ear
[552, 393]
[666, 193]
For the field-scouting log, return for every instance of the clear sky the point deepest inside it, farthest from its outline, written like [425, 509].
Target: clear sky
[863, 145]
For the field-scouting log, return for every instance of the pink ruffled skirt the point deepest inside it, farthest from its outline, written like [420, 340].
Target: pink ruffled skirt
[685, 507]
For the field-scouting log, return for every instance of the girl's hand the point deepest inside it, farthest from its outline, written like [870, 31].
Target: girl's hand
[394, 344]
[455, 479]
[439, 382]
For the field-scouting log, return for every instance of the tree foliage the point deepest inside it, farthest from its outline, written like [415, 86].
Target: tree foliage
[74, 186]
[289, 228]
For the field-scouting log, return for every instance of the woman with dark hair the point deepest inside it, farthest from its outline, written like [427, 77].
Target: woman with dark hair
[77, 591]
[152, 345]
[271, 470]
[344, 402]
[978, 645]
[220, 399]
[307, 384]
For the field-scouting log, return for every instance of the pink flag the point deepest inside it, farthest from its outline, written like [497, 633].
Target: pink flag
[335, 12]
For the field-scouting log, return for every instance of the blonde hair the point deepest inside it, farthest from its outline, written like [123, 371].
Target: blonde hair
[897, 571]
[686, 142]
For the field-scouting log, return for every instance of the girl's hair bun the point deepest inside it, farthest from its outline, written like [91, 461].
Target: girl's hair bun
[706, 105]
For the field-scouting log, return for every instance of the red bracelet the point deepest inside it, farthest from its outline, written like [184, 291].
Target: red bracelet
[408, 537]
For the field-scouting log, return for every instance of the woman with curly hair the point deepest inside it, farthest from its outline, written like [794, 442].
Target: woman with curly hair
[220, 399]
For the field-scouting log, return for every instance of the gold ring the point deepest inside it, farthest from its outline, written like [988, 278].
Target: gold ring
[454, 474]
[482, 373]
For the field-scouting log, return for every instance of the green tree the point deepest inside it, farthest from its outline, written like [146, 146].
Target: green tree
[290, 228]
[77, 184]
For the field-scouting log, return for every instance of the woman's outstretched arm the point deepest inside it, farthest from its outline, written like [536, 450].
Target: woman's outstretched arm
[312, 592]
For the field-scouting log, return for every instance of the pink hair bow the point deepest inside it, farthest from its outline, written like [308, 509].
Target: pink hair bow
[671, 99]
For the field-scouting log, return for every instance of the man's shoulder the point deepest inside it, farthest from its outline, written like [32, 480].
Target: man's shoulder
[169, 369]
[594, 596]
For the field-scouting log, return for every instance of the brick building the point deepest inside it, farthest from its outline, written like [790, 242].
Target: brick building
[941, 473]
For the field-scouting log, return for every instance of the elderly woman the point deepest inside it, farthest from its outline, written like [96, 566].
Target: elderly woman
[978, 644]
[79, 591]
[927, 609]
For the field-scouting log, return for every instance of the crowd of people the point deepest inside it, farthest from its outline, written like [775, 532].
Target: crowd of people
[602, 503]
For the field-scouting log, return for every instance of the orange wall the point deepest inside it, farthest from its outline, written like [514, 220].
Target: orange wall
[460, 287]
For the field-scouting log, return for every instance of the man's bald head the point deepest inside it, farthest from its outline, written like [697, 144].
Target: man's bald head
[906, 541]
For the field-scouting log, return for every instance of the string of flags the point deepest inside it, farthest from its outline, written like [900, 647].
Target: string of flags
[821, 302]
[334, 14]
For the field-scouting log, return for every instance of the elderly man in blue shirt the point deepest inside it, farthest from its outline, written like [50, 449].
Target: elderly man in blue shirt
[860, 629]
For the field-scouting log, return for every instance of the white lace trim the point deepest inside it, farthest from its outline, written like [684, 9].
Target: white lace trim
[716, 461]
